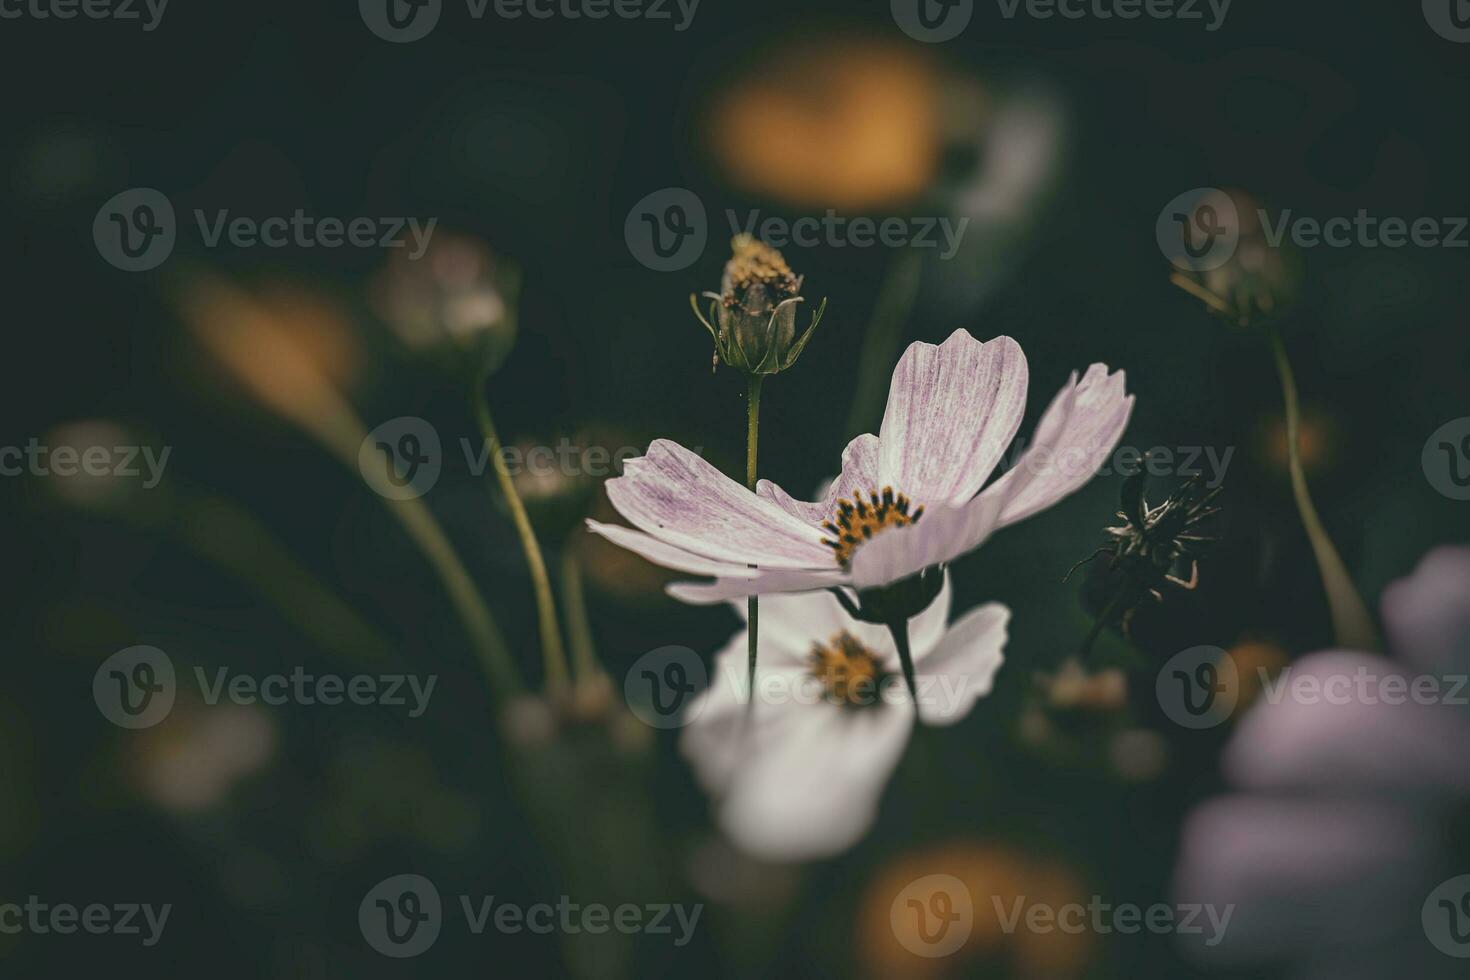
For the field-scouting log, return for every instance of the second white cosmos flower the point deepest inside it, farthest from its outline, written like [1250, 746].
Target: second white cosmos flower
[907, 499]
[799, 774]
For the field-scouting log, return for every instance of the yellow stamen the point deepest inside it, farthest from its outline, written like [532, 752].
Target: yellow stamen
[847, 669]
[857, 520]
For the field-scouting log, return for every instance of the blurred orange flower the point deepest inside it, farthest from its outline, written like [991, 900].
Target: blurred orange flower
[845, 123]
[967, 880]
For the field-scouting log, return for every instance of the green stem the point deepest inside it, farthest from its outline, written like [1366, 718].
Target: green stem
[579, 627]
[552, 651]
[752, 443]
[234, 540]
[900, 631]
[478, 622]
[1351, 624]
[1101, 623]
[880, 343]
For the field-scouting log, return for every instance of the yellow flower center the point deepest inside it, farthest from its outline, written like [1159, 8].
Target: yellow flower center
[857, 520]
[847, 669]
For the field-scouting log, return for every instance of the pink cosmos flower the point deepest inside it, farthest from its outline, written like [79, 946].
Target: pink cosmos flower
[1333, 840]
[907, 499]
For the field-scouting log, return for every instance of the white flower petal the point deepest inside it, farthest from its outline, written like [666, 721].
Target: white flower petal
[716, 739]
[1076, 435]
[952, 411]
[1427, 615]
[667, 555]
[961, 669]
[1342, 734]
[757, 581]
[945, 532]
[928, 628]
[802, 619]
[677, 497]
[859, 474]
[812, 786]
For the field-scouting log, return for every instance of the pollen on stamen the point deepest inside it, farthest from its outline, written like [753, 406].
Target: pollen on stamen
[858, 519]
[850, 672]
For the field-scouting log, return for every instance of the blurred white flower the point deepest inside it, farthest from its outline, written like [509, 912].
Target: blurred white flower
[190, 761]
[798, 774]
[1333, 844]
[456, 297]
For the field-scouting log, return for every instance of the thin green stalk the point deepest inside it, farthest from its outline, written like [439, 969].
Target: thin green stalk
[752, 444]
[1351, 624]
[233, 539]
[552, 651]
[489, 643]
[579, 627]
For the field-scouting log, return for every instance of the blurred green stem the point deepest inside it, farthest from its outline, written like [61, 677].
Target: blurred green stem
[880, 344]
[552, 651]
[489, 643]
[579, 628]
[752, 444]
[225, 534]
[1351, 624]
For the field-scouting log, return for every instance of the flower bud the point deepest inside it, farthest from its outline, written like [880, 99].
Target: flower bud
[1260, 280]
[457, 301]
[756, 310]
